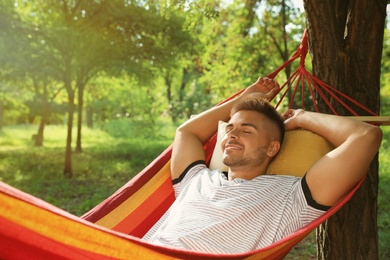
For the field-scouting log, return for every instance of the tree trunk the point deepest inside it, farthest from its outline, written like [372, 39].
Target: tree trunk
[89, 116]
[285, 54]
[80, 88]
[38, 138]
[345, 40]
[45, 114]
[2, 108]
[172, 105]
[68, 172]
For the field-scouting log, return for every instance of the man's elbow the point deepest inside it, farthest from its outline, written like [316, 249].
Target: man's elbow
[182, 129]
[374, 134]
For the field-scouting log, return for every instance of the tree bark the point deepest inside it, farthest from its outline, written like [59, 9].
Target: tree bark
[89, 116]
[345, 40]
[38, 138]
[45, 114]
[172, 105]
[2, 108]
[68, 171]
[80, 89]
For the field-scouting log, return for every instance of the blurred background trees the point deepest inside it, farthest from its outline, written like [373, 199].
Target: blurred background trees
[101, 60]
[142, 60]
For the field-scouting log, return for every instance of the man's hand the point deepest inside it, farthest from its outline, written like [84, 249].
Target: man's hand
[291, 118]
[263, 88]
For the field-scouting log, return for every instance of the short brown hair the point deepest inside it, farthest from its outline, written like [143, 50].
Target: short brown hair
[263, 107]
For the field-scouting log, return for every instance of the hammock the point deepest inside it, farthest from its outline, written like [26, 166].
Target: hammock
[33, 229]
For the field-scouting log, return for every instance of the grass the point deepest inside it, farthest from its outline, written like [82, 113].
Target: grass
[105, 164]
[111, 157]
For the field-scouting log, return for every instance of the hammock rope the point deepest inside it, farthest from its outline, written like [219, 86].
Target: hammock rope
[303, 80]
[303, 77]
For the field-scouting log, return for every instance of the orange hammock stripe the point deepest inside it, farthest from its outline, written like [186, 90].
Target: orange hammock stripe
[29, 225]
[28, 228]
[70, 233]
[141, 197]
[151, 219]
[145, 209]
[18, 242]
[122, 194]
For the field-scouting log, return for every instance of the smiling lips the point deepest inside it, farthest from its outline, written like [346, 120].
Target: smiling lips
[233, 146]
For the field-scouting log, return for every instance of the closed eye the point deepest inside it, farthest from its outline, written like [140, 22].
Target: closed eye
[229, 128]
[244, 128]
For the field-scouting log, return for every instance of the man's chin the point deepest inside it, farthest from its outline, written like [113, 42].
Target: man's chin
[229, 162]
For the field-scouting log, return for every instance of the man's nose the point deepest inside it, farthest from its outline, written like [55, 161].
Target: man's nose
[234, 133]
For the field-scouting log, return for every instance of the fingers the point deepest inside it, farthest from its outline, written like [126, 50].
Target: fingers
[267, 87]
[268, 83]
[272, 93]
[290, 118]
[286, 115]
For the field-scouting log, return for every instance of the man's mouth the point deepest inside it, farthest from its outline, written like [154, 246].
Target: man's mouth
[233, 146]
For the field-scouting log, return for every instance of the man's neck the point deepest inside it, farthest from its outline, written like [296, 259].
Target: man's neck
[246, 174]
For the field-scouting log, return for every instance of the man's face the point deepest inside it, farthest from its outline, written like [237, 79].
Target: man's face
[247, 139]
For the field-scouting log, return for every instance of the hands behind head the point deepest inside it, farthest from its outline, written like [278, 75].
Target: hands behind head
[266, 88]
[263, 88]
[291, 118]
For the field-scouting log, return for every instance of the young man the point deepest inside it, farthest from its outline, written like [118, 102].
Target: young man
[246, 209]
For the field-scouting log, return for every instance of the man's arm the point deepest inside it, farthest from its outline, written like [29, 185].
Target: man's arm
[334, 175]
[190, 136]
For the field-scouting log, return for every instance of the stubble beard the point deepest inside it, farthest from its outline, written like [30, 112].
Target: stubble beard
[255, 158]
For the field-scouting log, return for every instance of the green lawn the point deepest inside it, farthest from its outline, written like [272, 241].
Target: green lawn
[106, 163]
[111, 158]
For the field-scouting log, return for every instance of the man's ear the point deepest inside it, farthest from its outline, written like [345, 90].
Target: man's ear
[273, 148]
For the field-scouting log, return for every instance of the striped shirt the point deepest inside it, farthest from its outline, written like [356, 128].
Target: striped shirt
[215, 215]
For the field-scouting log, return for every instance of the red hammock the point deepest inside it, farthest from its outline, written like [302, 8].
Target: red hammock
[33, 229]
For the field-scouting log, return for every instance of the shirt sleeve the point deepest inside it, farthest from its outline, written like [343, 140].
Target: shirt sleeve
[309, 198]
[187, 175]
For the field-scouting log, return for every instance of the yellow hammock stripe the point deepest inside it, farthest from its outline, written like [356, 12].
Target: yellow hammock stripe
[72, 233]
[129, 205]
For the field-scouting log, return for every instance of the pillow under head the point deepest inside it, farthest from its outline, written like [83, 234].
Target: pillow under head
[300, 150]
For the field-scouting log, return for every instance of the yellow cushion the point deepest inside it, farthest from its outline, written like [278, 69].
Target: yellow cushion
[300, 150]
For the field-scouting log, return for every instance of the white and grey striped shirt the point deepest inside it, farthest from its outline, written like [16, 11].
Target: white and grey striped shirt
[215, 215]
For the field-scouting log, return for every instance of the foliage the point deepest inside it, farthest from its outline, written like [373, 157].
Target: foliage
[14, 102]
[228, 49]
[385, 75]
[384, 196]
[231, 51]
[70, 42]
[111, 97]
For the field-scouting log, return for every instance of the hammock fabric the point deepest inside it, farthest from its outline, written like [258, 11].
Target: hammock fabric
[33, 229]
